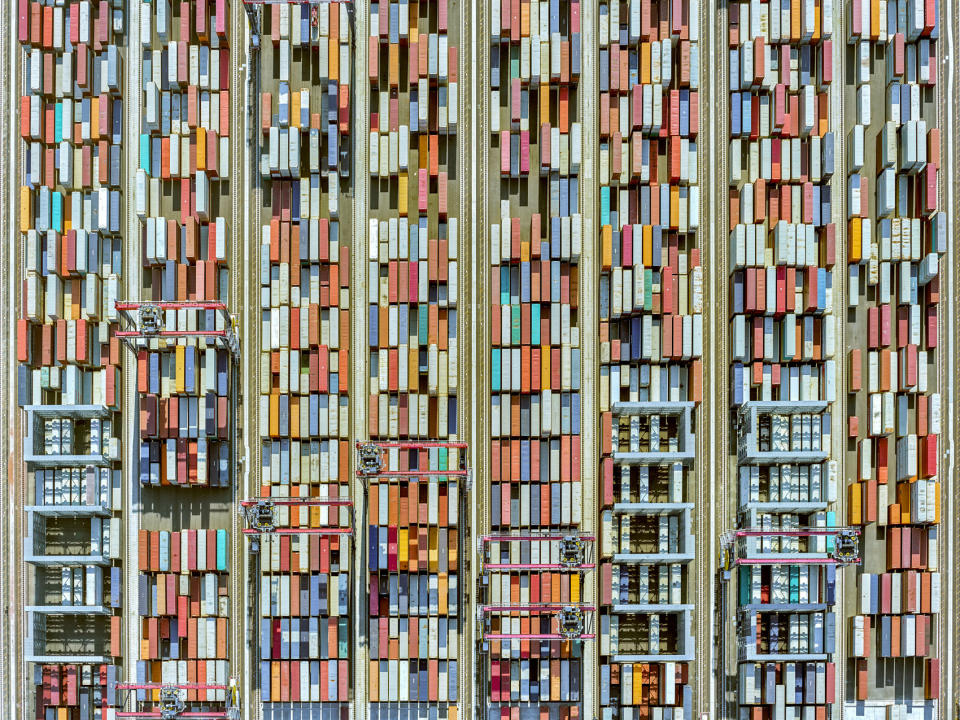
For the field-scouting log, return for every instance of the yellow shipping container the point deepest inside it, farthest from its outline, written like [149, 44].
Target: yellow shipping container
[413, 376]
[606, 247]
[544, 367]
[180, 372]
[334, 58]
[856, 252]
[403, 548]
[442, 581]
[26, 208]
[201, 149]
[647, 246]
[295, 110]
[854, 505]
[434, 537]
[274, 415]
[294, 416]
[402, 192]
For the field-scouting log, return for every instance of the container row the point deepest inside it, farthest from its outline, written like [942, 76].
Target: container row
[643, 689]
[423, 680]
[185, 462]
[69, 217]
[533, 681]
[787, 683]
[783, 339]
[182, 596]
[305, 607]
[300, 464]
[896, 636]
[318, 594]
[74, 688]
[52, 27]
[411, 638]
[163, 551]
[535, 244]
[413, 358]
[302, 681]
[183, 672]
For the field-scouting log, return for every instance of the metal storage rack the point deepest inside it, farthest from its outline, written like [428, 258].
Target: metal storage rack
[73, 506]
[785, 553]
[646, 531]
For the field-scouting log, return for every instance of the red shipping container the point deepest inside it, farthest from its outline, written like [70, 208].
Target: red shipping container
[220, 19]
[932, 678]
[70, 683]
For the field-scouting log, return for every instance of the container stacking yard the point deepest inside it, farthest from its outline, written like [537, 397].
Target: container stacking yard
[454, 360]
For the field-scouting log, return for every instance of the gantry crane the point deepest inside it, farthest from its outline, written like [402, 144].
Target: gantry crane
[172, 701]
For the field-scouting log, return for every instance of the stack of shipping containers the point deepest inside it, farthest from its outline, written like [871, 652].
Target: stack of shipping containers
[895, 237]
[181, 197]
[68, 377]
[651, 340]
[535, 243]
[77, 690]
[180, 190]
[184, 612]
[304, 582]
[782, 334]
[414, 534]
